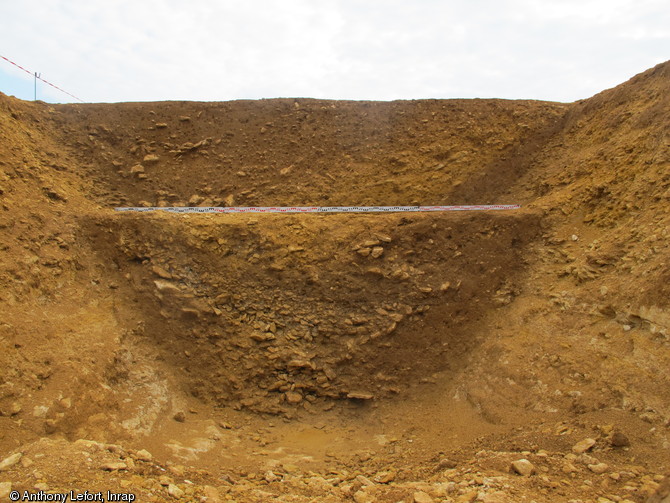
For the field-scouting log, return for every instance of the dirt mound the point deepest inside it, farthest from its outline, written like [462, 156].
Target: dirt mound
[426, 357]
[297, 152]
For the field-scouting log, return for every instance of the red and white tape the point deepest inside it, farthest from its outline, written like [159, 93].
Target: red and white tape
[40, 78]
[322, 209]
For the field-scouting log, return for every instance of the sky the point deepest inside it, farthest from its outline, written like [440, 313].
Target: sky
[217, 50]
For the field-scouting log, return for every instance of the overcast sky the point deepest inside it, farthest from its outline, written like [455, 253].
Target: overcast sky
[214, 50]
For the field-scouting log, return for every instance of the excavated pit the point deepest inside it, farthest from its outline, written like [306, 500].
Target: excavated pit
[274, 312]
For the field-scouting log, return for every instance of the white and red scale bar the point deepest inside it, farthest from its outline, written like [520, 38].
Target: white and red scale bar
[322, 209]
[40, 78]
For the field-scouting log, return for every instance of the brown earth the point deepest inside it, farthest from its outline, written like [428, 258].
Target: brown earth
[339, 357]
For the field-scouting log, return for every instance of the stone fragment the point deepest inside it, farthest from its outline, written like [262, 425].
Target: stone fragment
[598, 468]
[400, 275]
[422, 497]
[13, 409]
[136, 170]
[468, 497]
[50, 426]
[293, 397]
[40, 411]
[363, 497]
[618, 439]
[114, 466]
[189, 313]
[174, 491]
[143, 455]
[166, 286]
[177, 470]
[587, 459]
[161, 125]
[54, 195]
[211, 494]
[345, 489]
[89, 444]
[365, 482]
[262, 337]
[583, 446]
[385, 477]
[300, 364]
[151, 159]
[569, 468]
[10, 461]
[186, 147]
[180, 417]
[160, 272]
[446, 464]
[360, 395]
[523, 467]
[377, 252]
[195, 200]
[364, 252]
[271, 476]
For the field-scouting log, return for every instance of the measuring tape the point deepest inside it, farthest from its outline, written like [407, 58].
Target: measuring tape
[322, 209]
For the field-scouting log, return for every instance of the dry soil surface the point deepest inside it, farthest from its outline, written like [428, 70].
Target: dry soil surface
[491, 357]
